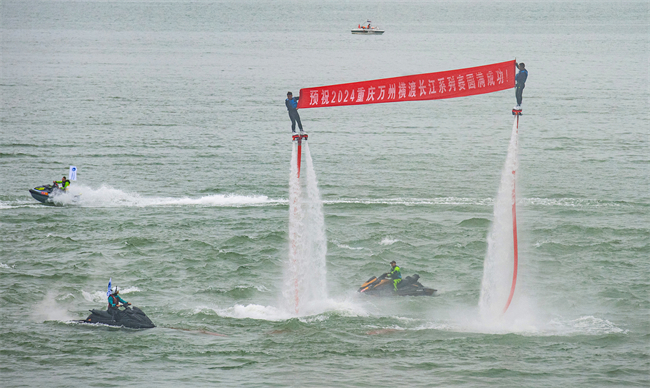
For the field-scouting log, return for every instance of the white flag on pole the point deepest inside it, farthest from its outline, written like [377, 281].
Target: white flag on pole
[73, 173]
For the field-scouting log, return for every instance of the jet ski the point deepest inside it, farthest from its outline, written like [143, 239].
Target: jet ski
[131, 317]
[409, 286]
[45, 193]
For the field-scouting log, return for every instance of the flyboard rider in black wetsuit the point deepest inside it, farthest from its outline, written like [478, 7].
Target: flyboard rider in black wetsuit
[292, 106]
[520, 78]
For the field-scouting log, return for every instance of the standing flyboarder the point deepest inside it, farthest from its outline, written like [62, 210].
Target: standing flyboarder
[292, 106]
[520, 78]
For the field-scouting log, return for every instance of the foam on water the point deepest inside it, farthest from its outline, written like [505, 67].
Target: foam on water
[345, 246]
[568, 202]
[526, 321]
[524, 318]
[106, 196]
[415, 201]
[388, 240]
[588, 325]
[318, 310]
[252, 311]
[536, 326]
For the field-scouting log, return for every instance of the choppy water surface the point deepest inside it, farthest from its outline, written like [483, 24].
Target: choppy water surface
[173, 112]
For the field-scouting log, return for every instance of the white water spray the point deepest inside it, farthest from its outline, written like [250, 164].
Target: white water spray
[106, 196]
[305, 275]
[49, 310]
[498, 264]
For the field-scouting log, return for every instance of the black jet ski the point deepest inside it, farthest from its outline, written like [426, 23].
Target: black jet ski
[131, 317]
[45, 193]
[409, 286]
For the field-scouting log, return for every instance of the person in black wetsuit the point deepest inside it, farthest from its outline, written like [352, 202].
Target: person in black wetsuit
[520, 78]
[292, 106]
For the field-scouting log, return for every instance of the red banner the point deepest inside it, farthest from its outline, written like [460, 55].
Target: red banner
[430, 86]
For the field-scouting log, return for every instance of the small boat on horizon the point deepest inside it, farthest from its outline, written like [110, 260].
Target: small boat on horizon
[367, 29]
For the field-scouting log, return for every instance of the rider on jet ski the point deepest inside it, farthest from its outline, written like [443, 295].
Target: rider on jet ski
[395, 274]
[62, 184]
[114, 300]
[131, 317]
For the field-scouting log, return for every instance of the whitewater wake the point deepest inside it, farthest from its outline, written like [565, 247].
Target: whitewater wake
[106, 196]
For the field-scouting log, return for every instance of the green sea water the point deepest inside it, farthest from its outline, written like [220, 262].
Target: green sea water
[173, 113]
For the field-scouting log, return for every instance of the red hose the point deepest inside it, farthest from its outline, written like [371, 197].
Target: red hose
[299, 154]
[514, 239]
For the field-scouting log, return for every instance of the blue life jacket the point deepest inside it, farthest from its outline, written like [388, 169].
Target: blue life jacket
[292, 104]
